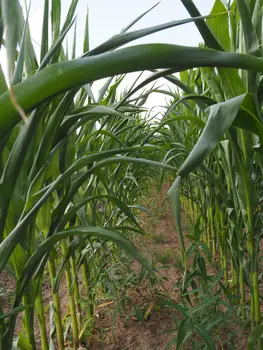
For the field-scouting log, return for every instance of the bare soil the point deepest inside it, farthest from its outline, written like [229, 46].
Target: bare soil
[157, 331]
[7, 299]
[126, 331]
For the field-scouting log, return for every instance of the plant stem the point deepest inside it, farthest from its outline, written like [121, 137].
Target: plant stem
[72, 305]
[56, 301]
[28, 321]
[42, 322]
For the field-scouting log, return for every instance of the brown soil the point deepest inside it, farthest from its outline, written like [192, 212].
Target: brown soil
[155, 332]
[152, 333]
[7, 299]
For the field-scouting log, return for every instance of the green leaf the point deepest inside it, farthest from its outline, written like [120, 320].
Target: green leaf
[124, 208]
[219, 24]
[174, 198]
[11, 23]
[183, 333]
[52, 54]
[85, 231]
[221, 117]
[203, 28]
[247, 117]
[69, 75]
[124, 38]
[203, 334]
[52, 336]
[18, 73]
[3, 84]
[45, 27]
[255, 337]
[86, 34]
[137, 19]
[15, 311]
[250, 34]
[55, 19]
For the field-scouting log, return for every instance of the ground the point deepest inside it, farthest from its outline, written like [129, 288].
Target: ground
[161, 247]
[156, 332]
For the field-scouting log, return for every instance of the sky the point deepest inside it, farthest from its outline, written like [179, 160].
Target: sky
[108, 17]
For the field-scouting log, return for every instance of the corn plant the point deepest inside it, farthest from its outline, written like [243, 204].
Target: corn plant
[215, 131]
[58, 208]
[71, 165]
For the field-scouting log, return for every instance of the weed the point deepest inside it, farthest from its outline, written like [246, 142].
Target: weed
[164, 257]
[159, 238]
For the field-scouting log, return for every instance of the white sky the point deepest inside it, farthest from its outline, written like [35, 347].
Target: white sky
[108, 17]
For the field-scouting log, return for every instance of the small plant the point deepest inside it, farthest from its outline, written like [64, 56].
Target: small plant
[159, 238]
[164, 257]
[204, 311]
[201, 316]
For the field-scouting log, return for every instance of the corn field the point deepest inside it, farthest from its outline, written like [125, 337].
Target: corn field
[74, 167]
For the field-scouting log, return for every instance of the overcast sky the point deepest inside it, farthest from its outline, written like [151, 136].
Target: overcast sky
[108, 17]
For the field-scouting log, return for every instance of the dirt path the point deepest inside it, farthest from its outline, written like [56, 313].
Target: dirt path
[162, 249]
[159, 248]
[140, 324]
[155, 332]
